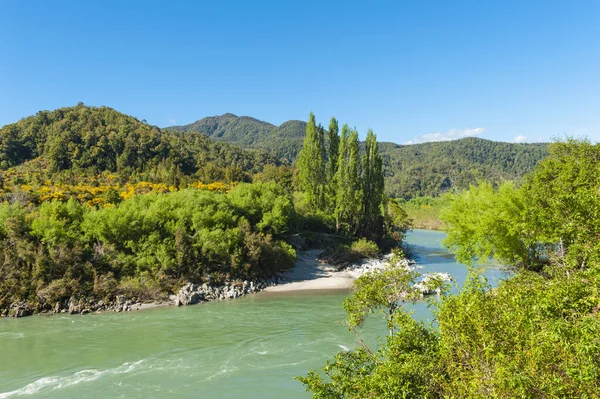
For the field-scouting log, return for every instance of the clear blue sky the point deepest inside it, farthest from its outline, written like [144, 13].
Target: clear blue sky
[411, 71]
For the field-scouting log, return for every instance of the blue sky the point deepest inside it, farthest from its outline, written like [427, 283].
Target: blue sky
[412, 71]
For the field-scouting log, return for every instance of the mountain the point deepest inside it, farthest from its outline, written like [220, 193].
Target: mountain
[86, 140]
[283, 141]
[427, 169]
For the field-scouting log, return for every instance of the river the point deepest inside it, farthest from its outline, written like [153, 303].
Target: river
[245, 348]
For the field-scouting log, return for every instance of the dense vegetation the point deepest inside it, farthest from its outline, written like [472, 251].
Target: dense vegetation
[70, 143]
[343, 189]
[97, 203]
[149, 243]
[537, 335]
[428, 169]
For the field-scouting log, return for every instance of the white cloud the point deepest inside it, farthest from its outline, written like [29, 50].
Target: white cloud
[453, 134]
[519, 139]
[172, 121]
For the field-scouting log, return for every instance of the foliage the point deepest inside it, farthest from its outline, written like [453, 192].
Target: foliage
[84, 141]
[365, 248]
[553, 214]
[148, 242]
[424, 212]
[333, 151]
[395, 218]
[533, 336]
[311, 166]
[484, 222]
[536, 335]
[283, 141]
[431, 169]
[372, 188]
[335, 182]
[282, 175]
[349, 191]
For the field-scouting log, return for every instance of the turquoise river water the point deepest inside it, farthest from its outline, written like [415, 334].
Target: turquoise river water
[245, 348]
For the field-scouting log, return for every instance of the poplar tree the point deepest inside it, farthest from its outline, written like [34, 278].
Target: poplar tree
[354, 182]
[349, 190]
[372, 188]
[331, 166]
[311, 165]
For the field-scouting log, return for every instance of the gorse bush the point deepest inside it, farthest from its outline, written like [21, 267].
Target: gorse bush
[147, 243]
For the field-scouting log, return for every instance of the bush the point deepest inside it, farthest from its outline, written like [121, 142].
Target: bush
[365, 248]
[342, 254]
[142, 287]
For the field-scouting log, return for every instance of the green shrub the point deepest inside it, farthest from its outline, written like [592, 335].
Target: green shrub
[142, 287]
[365, 248]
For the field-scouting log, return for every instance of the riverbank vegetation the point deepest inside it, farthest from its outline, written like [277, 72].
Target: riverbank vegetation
[99, 204]
[536, 335]
[152, 242]
[424, 212]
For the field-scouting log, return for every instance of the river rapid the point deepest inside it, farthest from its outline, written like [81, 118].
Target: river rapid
[244, 348]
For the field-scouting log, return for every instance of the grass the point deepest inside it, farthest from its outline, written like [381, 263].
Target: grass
[425, 212]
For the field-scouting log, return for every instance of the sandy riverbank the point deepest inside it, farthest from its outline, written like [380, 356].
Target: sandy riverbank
[310, 274]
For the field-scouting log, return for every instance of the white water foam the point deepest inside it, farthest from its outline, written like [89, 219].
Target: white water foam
[57, 382]
[344, 348]
[12, 335]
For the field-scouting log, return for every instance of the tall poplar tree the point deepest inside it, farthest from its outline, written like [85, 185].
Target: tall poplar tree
[354, 181]
[331, 166]
[311, 165]
[372, 187]
[349, 190]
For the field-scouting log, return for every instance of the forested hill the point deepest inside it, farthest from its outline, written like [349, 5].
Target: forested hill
[86, 140]
[411, 170]
[283, 141]
[429, 169]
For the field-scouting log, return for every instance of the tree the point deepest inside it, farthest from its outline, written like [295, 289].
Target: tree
[311, 165]
[349, 190]
[332, 160]
[553, 215]
[485, 222]
[372, 188]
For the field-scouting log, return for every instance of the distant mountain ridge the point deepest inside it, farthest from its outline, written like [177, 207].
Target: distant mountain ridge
[411, 170]
[283, 141]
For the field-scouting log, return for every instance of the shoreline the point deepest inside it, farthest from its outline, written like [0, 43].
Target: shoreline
[308, 274]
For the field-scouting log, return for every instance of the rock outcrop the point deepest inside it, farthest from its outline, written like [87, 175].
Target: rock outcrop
[19, 309]
[191, 294]
[430, 283]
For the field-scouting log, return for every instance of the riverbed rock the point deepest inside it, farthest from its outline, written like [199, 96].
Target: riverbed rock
[430, 283]
[189, 295]
[75, 306]
[19, 309]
